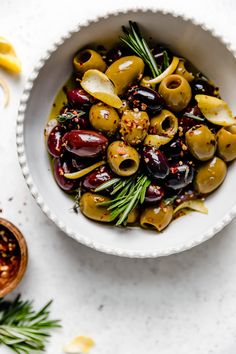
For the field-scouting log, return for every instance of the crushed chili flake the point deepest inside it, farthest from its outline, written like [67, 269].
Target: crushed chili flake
[9, 256]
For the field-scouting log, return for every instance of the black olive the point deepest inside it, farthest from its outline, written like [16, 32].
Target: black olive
[145, 99]
[154, 194]
[203, 87]
[155, 162]
[180, 176]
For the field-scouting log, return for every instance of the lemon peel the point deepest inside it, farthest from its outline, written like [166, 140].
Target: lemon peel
[195, 205]
[8, 57]
[85, 171]
[6, 92]
[171, 68]
[79, 345]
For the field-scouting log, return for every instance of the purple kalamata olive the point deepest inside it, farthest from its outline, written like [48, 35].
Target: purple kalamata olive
[154, 194]
[180, 176]
[145, 99]
[59, 169]
[79, 98]
[186, 122]
[85, 143]
[96, 178]
[158, 53]
[187, 194]
[54, 141]
[155, 162]
[202, 86]
[175, 149]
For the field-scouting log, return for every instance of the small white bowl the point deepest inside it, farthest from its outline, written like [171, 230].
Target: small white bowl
[208, 52]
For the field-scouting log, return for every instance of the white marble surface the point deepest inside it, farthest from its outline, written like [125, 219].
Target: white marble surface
[182, 304]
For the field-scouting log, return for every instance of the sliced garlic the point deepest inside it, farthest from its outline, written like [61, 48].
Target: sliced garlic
[8, 57]
[85, 171]
[215, 110]
[195, 205]
[79, 345]
[99, 86]
[6, 92]
[171, 68]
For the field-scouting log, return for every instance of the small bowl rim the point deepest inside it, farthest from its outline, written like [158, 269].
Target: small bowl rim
[21, 147]
[24, 257]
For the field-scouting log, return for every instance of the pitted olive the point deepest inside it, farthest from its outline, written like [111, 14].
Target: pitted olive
[210, 175]
[88, 59]
[122, 158]
[176, 92]
[134, 126]
[226, 143]
[201, 142]
[164, 124]
[124, 72]
[104, 118]
[157, 217]
[90, 208]
[133, 216]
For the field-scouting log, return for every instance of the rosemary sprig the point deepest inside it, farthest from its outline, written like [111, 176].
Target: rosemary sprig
[62, 118]
[190, 115]
[129, 192]
[166, 60]
[22, 329]
[133, 39]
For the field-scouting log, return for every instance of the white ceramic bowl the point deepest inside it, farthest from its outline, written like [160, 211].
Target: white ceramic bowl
[202, 48]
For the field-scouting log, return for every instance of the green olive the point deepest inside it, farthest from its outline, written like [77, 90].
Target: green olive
[226, 143]
[164, 124]
[134, 126]
[122, 158]
[124, 107]
[89, 207]
[157, 217]
[176, 92]
[182, 71]
[210, 175]
[125, 71]
[156, 140]
[88, 59]
[104, 118]
[201, 142]
[133, 216]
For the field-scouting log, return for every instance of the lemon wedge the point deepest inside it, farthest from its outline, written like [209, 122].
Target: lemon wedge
[8, 57]
[79, 345]
[85, 171]
[195, 205]
[215, 110]
[99, 86]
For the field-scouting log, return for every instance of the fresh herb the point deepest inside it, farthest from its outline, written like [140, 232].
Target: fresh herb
[190, 115]
[137, 43]
[77, 199]
[166, 61]
[62, 118]
[129, 192]
[22, 329]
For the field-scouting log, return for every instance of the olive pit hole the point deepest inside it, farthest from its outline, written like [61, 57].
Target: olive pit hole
[84, 56]
[127, 164]
[174, 84]
[166, 124]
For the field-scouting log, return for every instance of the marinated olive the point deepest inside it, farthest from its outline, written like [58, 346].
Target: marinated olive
[155, 162]
[210, 175]
[104, 118]
[186, 195]
[201, 142]
[96, 178]
[73, 119]
[116, 53]
[134, 126]
[175, 149]
[159, 54]
[157, 217]
[124, 72]
[90, 208]
[154, 194]
[226, 143]
[202, 86]
[180, 176]
[59, 169]
[156, 140]
[165, 124]
[182, 71]
[133, 216]
[145, 99]
[88, 59]
[85, 143]
[124, 107]
[54, 141]
[79, 98]
[49, 127]
[176, 92]
[122, 158]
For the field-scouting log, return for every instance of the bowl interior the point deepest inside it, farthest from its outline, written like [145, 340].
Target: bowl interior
[206, 53]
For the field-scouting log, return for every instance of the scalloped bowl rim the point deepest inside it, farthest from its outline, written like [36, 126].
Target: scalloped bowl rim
[23, 160]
